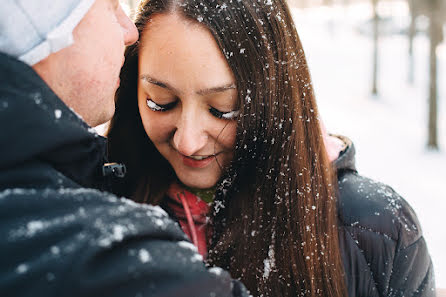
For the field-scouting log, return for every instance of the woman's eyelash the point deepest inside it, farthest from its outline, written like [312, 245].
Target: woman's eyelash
[224, 115]
[158, 107]
[215, 112]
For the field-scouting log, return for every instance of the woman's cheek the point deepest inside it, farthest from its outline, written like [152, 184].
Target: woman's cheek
[159, 127]
[148, 124]
[229, 135]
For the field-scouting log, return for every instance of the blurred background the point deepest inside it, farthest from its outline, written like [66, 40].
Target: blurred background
[379, 74]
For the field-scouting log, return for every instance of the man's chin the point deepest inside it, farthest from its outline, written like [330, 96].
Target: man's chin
[103, 119]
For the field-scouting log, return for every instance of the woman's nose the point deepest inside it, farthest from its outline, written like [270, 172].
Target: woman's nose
[190, 137]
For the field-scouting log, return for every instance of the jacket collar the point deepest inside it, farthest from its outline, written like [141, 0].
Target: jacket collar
[346, 159]
[36, 125]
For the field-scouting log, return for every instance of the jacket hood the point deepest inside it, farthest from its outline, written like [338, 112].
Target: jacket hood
[35, 125]
[340, 149]
[346, 154]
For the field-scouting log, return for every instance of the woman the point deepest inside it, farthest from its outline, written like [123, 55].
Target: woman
[216, 104]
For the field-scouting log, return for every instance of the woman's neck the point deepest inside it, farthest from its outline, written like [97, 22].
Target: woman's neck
[207, 195]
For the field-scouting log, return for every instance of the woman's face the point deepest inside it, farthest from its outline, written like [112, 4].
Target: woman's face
[187, 98]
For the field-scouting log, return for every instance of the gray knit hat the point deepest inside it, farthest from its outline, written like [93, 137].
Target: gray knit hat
[31, 30]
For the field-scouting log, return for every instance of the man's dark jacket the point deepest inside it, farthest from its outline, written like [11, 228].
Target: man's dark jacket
[63, 237]
[382, 246]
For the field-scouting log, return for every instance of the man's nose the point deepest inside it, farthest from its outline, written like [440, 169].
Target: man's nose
[130, 32]
[190, 137]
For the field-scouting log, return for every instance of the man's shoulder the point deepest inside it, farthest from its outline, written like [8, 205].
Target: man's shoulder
[84, 239]
[106, 216]
[369, 207]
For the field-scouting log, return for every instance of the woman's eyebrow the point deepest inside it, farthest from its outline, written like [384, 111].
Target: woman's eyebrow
[158, 83]
[201, 92]
[219, 89]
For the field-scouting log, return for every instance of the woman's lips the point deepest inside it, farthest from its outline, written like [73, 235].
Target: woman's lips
[190, 162]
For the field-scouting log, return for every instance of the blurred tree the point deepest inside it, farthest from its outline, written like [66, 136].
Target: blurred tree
[435, 10]
[412, 31]
[435, 36]
[298, 3]
[132, 5]
[375, 47]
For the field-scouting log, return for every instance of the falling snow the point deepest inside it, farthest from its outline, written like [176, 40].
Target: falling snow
[22, 268]
[187, 245]
[144, 256]
[57, 113]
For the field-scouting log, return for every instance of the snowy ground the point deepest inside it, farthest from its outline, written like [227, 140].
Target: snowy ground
[389, 130]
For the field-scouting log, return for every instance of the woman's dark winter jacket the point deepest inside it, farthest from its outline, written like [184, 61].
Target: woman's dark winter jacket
[62, 237]
[382, 247]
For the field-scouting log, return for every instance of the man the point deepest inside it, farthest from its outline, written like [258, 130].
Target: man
[59, 69]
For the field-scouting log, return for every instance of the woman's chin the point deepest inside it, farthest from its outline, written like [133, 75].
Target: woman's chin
[195, 185]
[197, 181]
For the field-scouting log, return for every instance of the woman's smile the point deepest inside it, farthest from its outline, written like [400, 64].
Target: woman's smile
[197, 161]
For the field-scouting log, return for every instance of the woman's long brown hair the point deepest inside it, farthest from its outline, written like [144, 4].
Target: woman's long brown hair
[274, 220]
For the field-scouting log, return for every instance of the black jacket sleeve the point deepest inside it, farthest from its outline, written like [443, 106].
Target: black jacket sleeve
[82, 242]
[412, 271]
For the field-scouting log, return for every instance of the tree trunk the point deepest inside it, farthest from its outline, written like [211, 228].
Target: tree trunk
[412, 32]
[435, 32]
[133, 4]
[375, 47]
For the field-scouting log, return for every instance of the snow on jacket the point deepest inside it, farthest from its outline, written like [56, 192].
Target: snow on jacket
[382, 247]
[62, 237]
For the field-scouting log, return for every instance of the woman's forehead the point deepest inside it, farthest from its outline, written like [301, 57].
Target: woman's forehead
[182, 56]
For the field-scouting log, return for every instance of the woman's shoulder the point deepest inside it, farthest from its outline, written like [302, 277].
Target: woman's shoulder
[382, 245]
[380, 237]
[368, 205]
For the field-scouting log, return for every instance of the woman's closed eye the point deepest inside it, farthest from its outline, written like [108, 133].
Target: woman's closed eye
[223, 115]
[160, 107]
[215, 112]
